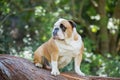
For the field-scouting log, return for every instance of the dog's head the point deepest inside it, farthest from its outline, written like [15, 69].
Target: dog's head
[63, 29]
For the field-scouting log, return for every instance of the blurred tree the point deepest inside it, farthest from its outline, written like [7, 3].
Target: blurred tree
[98, 13]
[29, 22]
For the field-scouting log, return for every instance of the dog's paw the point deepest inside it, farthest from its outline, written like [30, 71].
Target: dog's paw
[38, 65]
[55, 72]
[80, 73]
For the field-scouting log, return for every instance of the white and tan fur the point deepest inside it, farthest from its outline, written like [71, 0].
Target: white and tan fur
[61, 48]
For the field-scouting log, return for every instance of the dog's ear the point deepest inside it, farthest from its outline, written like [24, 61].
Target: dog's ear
[73, 24]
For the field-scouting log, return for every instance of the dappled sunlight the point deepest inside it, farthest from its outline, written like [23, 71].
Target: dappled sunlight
[97, 17]
[26, 53]
[113, 25]
[39, 11]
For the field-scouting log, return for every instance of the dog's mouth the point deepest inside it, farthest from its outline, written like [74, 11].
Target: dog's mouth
[57, 38]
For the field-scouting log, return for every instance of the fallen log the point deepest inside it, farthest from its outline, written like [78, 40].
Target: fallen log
[16, 68]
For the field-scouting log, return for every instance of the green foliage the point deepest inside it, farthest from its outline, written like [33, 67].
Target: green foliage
[96, 64]
[89, 44]
[26, 24]
[112, 67]
[102, 66]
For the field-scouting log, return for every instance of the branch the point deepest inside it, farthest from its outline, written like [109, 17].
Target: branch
[5, 18]
[81, 9]
[116, 13]
[16, 68]
[73, 8]
[19, 8]
[82, 21]
[94, 4]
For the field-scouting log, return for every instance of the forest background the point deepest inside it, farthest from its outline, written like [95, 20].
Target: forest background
[26, 24]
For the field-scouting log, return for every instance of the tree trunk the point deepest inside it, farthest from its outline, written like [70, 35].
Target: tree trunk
[15, 68]
[113, 43]
[113, 37]
[117, 10]
[103, 35]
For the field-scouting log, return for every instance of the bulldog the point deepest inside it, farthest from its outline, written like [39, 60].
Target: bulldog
[64, 45]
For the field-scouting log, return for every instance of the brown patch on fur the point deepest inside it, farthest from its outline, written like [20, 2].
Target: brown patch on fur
[76, 37]
[48, 50]
[79, 57]
[38, 55]
[69, 28]
[82, 49]
[53, 50]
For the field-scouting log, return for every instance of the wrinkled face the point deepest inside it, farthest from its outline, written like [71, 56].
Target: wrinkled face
[63, 29]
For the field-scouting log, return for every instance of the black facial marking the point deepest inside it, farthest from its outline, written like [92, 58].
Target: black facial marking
[55, 31]
[73, 24]
[63, 27]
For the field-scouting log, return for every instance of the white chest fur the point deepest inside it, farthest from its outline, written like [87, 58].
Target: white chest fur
[71, 48]
[67, 51]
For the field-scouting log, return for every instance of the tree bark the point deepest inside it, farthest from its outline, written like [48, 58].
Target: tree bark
[16, 68]
[103, 35]
[113, 37]
[116, 13]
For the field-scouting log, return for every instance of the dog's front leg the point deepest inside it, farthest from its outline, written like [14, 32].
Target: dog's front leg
[54, 63]
[77, 61]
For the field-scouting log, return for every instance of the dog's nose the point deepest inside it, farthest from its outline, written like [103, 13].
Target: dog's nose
[55, 31]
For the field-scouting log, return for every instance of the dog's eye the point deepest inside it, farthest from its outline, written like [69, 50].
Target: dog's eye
[62, 27]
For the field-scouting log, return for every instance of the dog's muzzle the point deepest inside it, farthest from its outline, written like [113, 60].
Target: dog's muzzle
[55, 31]
[55, 34]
